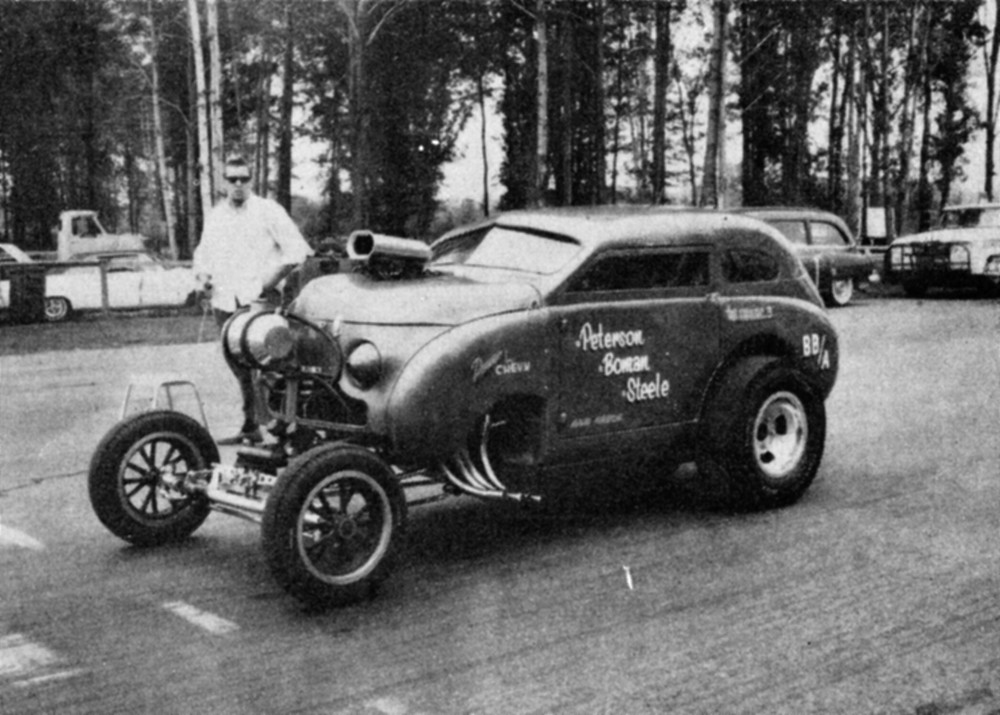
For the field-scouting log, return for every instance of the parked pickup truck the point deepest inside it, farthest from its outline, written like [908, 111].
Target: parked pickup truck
[79, 234]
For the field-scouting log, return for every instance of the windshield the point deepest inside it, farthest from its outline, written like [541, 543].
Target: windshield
[509, 249]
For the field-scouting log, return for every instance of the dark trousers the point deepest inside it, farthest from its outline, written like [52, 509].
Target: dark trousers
[243, 375]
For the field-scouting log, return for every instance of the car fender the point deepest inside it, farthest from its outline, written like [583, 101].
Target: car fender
[793, 330]
[453, 380]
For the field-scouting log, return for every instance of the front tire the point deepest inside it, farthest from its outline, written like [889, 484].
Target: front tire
[57, 309]
[841, 292]
[125, 481]
[333, 525]
[764, 432]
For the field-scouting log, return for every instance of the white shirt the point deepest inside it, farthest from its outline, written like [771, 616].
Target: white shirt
[241, 246]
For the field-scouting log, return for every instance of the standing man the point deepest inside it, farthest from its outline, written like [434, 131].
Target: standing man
[249, 244]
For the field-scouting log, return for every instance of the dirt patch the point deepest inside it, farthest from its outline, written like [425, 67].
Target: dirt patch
[92, 331]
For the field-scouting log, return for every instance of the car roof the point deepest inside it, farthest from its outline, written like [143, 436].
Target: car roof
[598, 225]
[948, 235]
[797, 212]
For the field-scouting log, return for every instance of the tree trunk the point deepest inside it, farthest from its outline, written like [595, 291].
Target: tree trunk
[600, 139]
[712, 190]
[284, 192]
[616, 132]
[836, 124]
[481, 89]
[262, 158]
[215, 95]
[192, 183]
[991, 103]
[567, 113]
[924, 193]
[916, 63]
[162, 177]
[661, 69]
[358, 110]
[542, 144]
[687, 111]
[884, 112]
[851, 122]
[204, 150]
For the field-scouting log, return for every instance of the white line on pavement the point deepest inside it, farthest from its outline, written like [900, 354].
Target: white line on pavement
[28, 663]
[13, 537]
[203, 619]
[39, 679]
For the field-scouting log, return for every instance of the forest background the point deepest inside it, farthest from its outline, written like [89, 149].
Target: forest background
[129, 106]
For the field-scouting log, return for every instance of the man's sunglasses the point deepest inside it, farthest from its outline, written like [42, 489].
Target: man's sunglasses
[238, 179]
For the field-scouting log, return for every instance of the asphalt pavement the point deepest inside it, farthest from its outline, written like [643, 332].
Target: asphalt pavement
[879, 592]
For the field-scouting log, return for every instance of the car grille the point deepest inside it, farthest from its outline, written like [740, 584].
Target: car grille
[930, 257]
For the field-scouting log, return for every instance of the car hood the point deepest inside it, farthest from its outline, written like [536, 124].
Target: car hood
[952, 235]
[437, 299]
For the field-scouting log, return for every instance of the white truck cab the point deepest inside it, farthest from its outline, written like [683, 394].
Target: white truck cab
[80, 234]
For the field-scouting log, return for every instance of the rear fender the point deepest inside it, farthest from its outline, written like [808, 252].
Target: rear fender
[802, 337]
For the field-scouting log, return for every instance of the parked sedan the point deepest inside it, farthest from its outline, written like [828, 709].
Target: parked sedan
[135, 280]
[9, 254]
[826, 248]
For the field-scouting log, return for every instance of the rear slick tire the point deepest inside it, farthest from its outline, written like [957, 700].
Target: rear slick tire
[333, 525]
[764, 433]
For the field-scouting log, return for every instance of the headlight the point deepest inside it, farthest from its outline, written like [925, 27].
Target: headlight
[959, 254]
[364, 365]
[258, 339]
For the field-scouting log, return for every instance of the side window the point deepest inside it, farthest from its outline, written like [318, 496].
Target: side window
[795, 231]
[746, 265]
[85, 227]
[826, 234]
[644, 271]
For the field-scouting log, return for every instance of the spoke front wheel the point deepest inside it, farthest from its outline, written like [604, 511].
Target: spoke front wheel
[127, 485]
[333, 524]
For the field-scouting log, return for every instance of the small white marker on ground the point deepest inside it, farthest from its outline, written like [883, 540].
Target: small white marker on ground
[628, 578]
[210, 622]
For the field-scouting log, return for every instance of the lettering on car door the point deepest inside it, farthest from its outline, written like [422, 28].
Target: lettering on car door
[638, 337]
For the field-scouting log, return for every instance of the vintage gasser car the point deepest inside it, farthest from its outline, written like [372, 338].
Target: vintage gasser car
[518, 359]
[963, 253]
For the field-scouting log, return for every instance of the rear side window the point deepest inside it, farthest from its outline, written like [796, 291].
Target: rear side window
[644, 271]
[746, 265]
[826, 234]
[795, 231]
